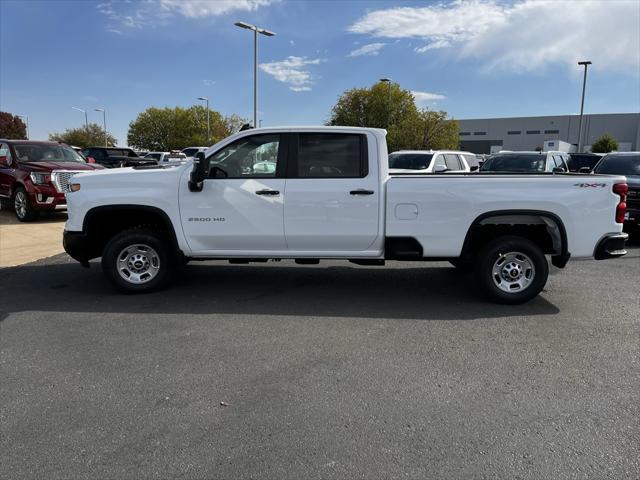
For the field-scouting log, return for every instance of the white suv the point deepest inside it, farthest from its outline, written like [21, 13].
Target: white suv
[526, 162]
[432, 161]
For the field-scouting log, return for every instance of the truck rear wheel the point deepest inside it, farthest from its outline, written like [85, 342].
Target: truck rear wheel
[137, 261]
[511, 270]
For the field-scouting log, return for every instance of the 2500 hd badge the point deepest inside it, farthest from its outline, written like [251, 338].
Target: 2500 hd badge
[206, 219]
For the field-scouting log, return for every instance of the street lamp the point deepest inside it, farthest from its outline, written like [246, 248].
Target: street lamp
[27, 119]
[256, 31]
[86, 122]
[388, 82]
[205, 99]
[584, 86]
[104, 123]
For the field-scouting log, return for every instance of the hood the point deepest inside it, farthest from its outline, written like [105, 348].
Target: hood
[51, 166]
[133, 174]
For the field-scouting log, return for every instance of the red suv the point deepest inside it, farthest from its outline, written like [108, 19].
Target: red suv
[34, 176]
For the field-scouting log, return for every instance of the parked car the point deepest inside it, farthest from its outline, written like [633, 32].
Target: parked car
[115, 157]
[191, 152]
[330, 196]
[627, 164]
[34, 176]
[430, 161]
[526, 162]
[167, 157]
[578, 161]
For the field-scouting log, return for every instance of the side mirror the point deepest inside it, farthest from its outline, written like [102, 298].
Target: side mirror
[475, 168]
[440, 169]
[3, 161]
[584, 170]
[558, 170]
[198, 173]
[91, 160]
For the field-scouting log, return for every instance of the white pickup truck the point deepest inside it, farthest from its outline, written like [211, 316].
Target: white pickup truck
[311, 193]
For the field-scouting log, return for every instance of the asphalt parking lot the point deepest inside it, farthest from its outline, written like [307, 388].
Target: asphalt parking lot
[329, 371]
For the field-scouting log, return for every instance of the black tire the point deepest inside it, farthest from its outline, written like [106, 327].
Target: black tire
[462, 265]
[22, 206]
[156, 262]
[527, 260]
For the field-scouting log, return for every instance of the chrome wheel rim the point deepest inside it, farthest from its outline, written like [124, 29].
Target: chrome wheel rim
[20, 204]
[138, 264]
[513, 272]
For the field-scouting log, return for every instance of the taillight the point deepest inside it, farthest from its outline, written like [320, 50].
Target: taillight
[621, 189]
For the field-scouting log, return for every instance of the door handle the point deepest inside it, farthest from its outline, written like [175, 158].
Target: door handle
[361, 192]
[268, 192]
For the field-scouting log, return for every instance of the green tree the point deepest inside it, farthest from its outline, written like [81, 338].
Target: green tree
[605, 144]
[165, 129]
[387, 105]
[92, 136]
[12, 127]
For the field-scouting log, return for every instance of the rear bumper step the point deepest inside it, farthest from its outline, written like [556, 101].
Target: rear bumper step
[611, 246]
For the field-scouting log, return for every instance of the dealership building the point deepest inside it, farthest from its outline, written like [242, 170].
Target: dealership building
[489, 135]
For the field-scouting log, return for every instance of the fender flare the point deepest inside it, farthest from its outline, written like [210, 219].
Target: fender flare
[559, 260]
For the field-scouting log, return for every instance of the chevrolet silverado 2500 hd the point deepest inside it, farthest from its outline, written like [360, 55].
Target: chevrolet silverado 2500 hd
[311, 193]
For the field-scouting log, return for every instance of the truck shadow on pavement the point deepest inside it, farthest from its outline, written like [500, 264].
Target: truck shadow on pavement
[415, 292]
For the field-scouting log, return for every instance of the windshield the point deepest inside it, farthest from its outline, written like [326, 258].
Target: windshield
[47, 153]
[410, 161]
[619, 165]
[515, 162]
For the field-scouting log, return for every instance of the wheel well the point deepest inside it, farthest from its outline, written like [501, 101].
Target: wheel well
[544, 229]
[103, 223]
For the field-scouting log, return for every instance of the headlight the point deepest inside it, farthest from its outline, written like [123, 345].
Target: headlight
[74, 187]
[40, 178]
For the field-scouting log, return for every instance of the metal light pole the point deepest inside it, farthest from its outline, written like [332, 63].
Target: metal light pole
[256, 31]
[104, 124]
[584, 86]
[86, 122]
[27, 119]
[388, 82]
[208, 123]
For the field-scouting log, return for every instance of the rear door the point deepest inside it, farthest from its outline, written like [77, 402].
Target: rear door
[332, 193]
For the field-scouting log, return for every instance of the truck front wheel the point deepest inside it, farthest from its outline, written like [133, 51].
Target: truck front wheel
[511, 269]
[137, 261]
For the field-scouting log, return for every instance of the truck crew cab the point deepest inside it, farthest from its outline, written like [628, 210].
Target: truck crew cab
[311, 193]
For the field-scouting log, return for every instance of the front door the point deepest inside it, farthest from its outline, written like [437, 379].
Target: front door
[240, 207]
[332, 194]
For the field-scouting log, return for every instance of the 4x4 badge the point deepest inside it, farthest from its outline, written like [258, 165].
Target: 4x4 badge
[590, 185]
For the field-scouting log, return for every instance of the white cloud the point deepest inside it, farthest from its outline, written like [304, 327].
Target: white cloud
[292, 72]
[370, 49]
[423, 99]
[210, 8]
[209, 83]
[152, 13]
[522, 36]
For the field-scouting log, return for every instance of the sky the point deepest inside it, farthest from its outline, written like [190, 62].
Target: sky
[473, 59]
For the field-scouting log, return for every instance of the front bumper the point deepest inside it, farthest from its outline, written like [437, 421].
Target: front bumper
[611, 246]
[78, 246]
[47, 198]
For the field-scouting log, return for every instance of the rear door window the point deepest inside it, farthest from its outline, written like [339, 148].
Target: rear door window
[331, 155]
[452, 161]
[439, 162]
